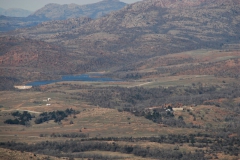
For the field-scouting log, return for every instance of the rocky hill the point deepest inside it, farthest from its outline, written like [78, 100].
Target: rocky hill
[59, 12]
[15, 12]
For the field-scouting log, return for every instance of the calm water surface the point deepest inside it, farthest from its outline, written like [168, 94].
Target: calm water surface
[82, 77]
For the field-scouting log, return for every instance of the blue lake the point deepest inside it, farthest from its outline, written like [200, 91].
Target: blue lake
[83, 77]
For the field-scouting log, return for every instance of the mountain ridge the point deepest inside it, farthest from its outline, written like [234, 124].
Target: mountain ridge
[15, 12]
[55, 11]
[60, 12]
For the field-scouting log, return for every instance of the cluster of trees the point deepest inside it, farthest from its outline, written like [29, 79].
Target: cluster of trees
[160, 115]
[57, 116]
[20, 118]
[164, 116]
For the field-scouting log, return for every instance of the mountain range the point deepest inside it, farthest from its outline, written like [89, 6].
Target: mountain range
[137, 32]
[15, 12]
[58, 12]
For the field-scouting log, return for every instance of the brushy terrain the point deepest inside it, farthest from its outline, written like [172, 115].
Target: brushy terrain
[178, 97]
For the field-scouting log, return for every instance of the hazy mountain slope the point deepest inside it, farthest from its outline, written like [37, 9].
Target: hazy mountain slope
[58, 12]
[15, 12]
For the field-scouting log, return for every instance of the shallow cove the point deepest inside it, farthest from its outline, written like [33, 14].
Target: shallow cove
[82, 77]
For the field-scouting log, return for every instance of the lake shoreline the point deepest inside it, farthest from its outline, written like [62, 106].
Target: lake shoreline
[88, 77]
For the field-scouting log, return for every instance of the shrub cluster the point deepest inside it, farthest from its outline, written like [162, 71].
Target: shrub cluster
[21, 118]
[57, 116]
